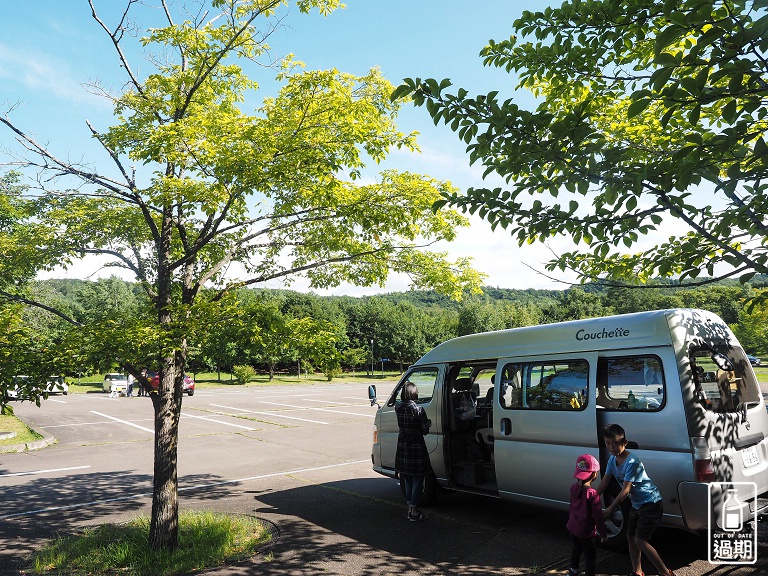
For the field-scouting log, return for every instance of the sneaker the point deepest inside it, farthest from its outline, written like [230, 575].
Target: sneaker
[573, 572]
[417, 516]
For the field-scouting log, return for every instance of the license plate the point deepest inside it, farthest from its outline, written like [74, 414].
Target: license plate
[749, 456]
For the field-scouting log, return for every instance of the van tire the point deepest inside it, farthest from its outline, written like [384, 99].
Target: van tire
[618, 524]
[429, 490]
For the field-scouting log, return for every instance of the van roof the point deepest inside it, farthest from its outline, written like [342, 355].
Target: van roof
[638, 330]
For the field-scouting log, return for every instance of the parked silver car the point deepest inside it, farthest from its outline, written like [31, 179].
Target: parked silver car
[115, 383]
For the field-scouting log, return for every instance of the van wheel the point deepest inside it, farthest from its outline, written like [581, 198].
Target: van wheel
[429, 490]
[617, 524]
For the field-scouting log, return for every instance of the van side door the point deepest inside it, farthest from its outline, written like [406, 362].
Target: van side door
[544, 418]
[426, 379]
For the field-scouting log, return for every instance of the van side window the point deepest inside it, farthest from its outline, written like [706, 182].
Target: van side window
[630, 383]
[561, 385]
[424, 378]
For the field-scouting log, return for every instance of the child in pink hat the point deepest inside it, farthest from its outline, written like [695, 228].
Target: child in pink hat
[585, 517]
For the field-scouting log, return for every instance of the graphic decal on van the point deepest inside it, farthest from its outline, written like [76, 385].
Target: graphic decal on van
[615, 333]
[732, 524]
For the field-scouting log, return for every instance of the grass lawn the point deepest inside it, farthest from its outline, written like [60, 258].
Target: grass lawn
[212, 380]
[23, 433]
[206, 539]
[762, 374]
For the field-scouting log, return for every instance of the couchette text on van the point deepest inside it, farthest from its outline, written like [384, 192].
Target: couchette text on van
[616, 333]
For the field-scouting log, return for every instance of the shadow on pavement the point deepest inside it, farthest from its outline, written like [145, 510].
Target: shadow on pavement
[325, 527]
[38, 510]
[353, 526]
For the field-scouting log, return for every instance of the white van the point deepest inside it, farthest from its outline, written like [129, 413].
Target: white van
[676, 380]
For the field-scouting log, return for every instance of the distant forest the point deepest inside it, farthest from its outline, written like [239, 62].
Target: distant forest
[273, 330]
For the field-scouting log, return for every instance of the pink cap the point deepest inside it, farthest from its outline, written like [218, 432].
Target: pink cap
[585, 465]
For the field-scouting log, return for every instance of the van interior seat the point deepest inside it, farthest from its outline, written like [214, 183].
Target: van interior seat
[462, 385]
[462, 391]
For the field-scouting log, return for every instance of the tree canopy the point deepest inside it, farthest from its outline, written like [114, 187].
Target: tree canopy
[645, 111]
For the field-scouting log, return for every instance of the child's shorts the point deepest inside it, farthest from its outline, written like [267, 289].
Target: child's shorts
[644, 521]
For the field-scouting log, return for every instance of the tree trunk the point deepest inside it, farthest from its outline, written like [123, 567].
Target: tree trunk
[164, 527]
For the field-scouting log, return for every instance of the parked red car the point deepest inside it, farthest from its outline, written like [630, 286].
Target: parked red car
[189, 383]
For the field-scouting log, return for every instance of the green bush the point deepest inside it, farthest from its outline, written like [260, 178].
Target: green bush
[243, 373]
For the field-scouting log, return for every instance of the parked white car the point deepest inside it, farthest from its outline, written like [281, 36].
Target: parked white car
[57, 385]
[114, 382]
[53, 385]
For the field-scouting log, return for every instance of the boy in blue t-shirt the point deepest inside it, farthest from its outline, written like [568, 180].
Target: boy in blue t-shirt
[647, 509]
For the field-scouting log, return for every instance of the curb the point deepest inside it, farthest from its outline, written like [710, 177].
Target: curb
[43, 442]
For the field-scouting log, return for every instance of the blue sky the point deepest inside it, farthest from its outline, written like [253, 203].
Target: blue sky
[50, 48]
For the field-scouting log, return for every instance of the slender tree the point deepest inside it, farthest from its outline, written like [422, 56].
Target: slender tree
[229, 199]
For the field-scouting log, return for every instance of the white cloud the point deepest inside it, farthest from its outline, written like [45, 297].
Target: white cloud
[45, 76]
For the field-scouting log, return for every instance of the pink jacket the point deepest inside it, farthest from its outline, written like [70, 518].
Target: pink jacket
[586, 513]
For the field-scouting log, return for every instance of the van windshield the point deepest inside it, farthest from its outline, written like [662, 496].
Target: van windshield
[724, 386]
[424, 379]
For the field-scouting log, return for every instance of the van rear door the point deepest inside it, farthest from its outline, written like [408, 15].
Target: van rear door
[544, 418]
[729, 412]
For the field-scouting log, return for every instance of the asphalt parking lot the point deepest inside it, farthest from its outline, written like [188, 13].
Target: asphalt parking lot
[298, 457]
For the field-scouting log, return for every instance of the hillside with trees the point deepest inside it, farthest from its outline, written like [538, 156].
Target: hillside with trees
[277, 331]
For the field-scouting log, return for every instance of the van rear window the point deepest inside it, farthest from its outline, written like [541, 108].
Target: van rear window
[723, 384]
[630, 383]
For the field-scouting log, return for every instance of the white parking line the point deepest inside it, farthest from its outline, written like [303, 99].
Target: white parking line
[100, 422]
[334, 402]
[318, 409]
[184, 489]
[124, 422]
[43, 471]
[218, 421]
[59, 401]
[268, 414]
[289, 395]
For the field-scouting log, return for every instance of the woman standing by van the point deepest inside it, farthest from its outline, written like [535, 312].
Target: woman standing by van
[412, 457]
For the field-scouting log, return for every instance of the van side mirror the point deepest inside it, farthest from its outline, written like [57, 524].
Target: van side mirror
[372, 394]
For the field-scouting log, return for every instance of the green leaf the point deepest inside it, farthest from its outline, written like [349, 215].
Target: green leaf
[661, 76]
[694, 115]
[667, 37]
[637, 107]
[400, 92]
[760, 148]
[729, 112]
